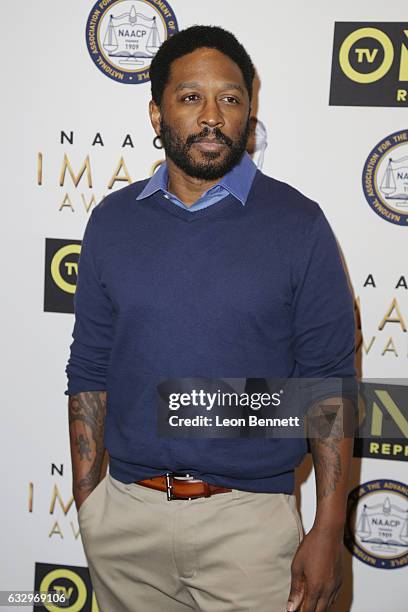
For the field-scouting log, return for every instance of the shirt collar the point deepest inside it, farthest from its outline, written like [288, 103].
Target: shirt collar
[237, 181]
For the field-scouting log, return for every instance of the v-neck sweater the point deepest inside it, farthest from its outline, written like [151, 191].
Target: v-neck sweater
[228, 291]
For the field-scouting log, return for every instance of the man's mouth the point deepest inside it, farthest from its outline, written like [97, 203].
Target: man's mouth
[209, 144]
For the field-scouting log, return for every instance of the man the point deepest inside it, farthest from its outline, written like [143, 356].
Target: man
[209, 269]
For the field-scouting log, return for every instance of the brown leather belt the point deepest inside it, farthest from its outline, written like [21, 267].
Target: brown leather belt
[181, 489]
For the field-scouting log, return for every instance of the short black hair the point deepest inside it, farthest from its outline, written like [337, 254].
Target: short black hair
[188, 40]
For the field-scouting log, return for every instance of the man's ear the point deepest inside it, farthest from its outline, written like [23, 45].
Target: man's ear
[155, 116]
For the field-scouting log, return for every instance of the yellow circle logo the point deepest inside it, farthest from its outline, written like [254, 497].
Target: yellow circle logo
[377, 73]
[65, 574]
[56, 262]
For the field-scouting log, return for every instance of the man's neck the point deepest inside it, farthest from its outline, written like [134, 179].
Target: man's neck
[186, 188]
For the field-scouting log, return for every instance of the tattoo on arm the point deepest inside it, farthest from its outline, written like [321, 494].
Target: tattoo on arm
[327, 463]
[84, 448]
[326, 432]
[86, 424]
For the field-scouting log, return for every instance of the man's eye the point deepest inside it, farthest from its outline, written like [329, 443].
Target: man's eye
[231, 100]
[191, 98]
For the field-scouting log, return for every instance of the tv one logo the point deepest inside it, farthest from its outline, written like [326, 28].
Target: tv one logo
[71, 581]
[370, 64]
[61, 269]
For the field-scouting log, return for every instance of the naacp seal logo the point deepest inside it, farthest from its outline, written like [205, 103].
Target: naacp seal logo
[385, 178]
[124, 35]
[377, 524]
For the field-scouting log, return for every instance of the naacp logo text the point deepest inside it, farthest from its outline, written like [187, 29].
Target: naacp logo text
[370, 64]
[385, 178]
[377, 524]
[124, 35]
[61, 269]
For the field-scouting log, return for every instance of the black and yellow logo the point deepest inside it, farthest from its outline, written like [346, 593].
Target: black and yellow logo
[383, 422]
[71, 583]
[61, 269]
[370, 64]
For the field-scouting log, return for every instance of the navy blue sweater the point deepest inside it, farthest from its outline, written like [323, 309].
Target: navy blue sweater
[227, 291]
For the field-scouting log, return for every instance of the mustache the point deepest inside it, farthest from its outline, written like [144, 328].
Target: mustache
[208, 133]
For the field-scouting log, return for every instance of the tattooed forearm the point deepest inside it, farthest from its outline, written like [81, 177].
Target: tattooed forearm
[327, 464]
[325, 429]
[330, 432]
[86, 426]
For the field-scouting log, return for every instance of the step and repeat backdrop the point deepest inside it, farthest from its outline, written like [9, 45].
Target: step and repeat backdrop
[330, 117]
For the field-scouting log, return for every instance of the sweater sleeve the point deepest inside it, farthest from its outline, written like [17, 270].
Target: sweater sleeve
[323, 316]
[93, 329]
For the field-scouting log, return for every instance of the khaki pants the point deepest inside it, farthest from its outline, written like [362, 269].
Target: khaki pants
[227, 553]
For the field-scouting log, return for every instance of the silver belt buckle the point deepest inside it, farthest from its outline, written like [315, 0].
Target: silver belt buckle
[169, 482]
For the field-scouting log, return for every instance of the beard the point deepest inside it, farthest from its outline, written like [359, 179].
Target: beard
[214, 164]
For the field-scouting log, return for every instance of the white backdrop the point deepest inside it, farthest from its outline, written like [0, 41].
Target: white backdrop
[52, 86]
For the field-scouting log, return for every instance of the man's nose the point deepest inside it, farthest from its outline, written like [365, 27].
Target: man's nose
[211, 115]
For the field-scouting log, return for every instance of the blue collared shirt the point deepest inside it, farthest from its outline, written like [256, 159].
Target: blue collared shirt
[237, 182]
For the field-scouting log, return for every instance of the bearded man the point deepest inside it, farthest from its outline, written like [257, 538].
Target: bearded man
[208, 269]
